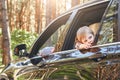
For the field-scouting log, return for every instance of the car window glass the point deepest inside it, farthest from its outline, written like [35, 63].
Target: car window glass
[54, 38]
[109, 23]
[57, 38]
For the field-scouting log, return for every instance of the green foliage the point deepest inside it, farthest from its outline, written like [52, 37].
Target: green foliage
[0, 31]
[22, 37]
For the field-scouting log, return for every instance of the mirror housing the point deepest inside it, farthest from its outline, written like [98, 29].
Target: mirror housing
[20, 50]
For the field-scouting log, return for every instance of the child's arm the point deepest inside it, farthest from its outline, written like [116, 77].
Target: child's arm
[80, 46]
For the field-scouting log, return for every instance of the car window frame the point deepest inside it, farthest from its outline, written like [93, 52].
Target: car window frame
[118, 18]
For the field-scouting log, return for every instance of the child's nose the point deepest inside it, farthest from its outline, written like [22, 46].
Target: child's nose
[91, 41]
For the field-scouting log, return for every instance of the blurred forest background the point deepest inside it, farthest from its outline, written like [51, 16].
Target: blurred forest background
[22, 20]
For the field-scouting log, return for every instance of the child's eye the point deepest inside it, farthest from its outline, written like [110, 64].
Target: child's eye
[90, 37]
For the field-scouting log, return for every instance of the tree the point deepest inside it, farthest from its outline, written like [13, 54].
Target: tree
[50, 13]
[5, 32]
[38, 17]
[75, 2]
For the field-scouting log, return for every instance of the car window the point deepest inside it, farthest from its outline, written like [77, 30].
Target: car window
[57, 38]
[54, 37]
[107, 33]
[85, 17]
[47, 37]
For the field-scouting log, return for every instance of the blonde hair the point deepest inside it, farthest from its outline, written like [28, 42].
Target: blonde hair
[82, 32]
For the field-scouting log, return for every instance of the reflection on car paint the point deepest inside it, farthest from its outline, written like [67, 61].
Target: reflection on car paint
[74, 54]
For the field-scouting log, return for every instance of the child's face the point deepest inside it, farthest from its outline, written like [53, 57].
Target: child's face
[89, 38]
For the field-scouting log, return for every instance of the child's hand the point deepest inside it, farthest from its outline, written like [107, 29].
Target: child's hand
[85, 46]
[82, 46]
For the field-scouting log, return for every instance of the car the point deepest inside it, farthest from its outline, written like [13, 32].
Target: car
[68, 63]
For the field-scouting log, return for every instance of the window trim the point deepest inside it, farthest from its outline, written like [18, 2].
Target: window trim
[118, 20]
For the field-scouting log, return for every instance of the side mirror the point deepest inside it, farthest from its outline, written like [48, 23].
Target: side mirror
[20, 50]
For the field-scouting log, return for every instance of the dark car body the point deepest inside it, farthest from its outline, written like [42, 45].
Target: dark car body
[64, 64]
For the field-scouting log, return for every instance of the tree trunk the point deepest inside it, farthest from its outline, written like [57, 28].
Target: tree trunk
[5, 32]
[48, 17]
[38, 17]
[53, 9]
[75, 2]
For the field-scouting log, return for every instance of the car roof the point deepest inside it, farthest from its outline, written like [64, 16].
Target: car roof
[84, 5]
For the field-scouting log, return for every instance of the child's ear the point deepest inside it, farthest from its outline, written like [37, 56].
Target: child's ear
[76, 39]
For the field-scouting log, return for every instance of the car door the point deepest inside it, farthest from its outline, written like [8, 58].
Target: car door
[106, 23]
[107, 41]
